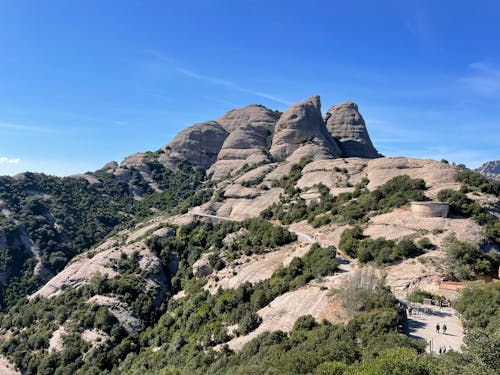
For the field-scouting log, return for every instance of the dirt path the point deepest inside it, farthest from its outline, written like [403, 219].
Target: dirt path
[302, 236]
[423, 325]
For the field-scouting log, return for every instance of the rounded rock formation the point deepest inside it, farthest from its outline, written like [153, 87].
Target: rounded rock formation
[301, 126]
[255, 115]
[199, 144]
[347, 127]
[249, 129]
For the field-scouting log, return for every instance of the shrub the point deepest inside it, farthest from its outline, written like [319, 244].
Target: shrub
[349, 241]
[418, 295]
[306, 322]
[465, 260]
[425, 243]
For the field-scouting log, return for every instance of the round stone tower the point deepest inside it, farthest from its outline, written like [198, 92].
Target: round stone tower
[430, 209]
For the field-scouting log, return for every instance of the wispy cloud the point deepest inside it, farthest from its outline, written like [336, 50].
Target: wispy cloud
[6, 160]
[483, 79]
[215, 80]
[26, 128]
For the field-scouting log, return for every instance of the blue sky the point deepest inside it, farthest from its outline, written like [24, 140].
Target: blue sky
[85, 82]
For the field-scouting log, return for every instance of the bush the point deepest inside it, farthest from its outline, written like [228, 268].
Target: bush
[349, 241]
[406, 248]
[425, 243]
[465, 260]
[306, 322]
[459, 203]
[400, 361]
[418, 295]
[479, 304]
[477, 180]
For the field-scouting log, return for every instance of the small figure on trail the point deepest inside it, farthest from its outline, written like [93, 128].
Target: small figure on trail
[437, 328]
[440, 349]
[444, 328]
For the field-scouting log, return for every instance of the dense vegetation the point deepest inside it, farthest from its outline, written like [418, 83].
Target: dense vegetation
[182, 340]
[346, 207]
[197, 321]
[479, 305]
[180, 336]
[465, 261]
[461, 204]
[477, 182]
[187, 334]
[379, 250]
[65, 216]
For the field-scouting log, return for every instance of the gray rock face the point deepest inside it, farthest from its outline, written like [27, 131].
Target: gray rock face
[490, 169]
[347, 127]
[202, 267]
[111, 165]
[199, 144]
[254, 115]
[249, 129]
[301, 127]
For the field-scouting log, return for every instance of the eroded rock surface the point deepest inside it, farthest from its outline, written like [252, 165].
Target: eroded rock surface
[436, 175]
[202, 267]
[281, 314]
[347, 127]
[101, 260]
[301, 129]
[199, 144]
[121, 311]
[7, 368]
[249, 128]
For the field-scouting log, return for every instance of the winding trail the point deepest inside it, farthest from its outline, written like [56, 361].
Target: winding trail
[345, 265]
[302, 236]
[419, 326]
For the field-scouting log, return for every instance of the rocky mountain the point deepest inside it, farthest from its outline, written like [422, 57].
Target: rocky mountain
[189, 259]
[255, 135]
[490, 169]
[249, 130]
[301, 132]
[348, 128]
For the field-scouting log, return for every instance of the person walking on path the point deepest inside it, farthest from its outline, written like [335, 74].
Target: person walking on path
[437, 328]
[444, 328]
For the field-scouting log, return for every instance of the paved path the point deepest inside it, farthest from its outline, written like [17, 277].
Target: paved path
[423, 325]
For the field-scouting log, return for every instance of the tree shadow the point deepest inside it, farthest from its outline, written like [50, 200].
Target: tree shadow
[414, 325]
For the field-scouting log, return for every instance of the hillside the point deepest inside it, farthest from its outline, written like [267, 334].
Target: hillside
[490, 169]
[259, 242]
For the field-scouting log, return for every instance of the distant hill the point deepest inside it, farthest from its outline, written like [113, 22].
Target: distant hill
[490, 169]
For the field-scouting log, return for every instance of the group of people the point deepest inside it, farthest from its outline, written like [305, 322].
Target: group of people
[415, 310]
[442, 349]
[439, 328]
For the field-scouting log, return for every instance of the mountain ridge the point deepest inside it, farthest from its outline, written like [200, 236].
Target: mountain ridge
[227, 232]
[244, 134]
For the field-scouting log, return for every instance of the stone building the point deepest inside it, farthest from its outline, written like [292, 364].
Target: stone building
[430, 209]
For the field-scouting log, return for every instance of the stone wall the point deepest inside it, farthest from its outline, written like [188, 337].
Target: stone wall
[430, 209]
